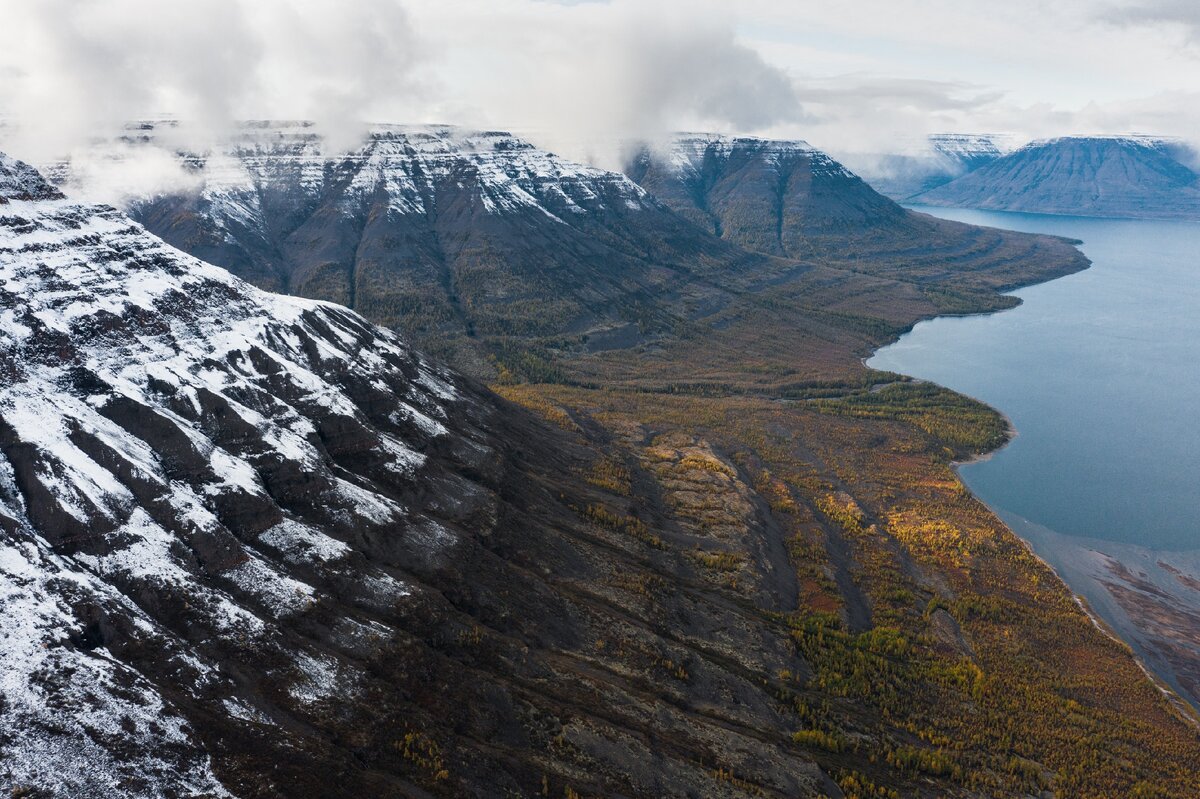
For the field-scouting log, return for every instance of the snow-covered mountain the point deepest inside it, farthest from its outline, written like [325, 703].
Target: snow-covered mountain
[447, 234]
[767, 195]
[972, 150]
[1108, 176]
[786, 198]
[190, 469]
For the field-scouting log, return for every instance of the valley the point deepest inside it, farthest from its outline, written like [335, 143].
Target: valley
[599, 399]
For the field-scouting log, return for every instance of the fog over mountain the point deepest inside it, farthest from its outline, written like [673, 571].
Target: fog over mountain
[574, 77]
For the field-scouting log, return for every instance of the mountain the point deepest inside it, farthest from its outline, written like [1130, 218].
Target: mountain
[449, 235]
[765, 195]
[1105, 176]
[514, 264]
[252, 545]
[970, 151]
[255, 546]
[787, 199]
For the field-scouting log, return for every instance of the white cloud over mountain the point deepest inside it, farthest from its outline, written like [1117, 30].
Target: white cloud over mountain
[858, 75]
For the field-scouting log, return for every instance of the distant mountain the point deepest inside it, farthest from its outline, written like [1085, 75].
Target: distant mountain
[765, 195]
[970, 151]
[1105, 176]
[451, 236]
[946, 157]
[786, 198]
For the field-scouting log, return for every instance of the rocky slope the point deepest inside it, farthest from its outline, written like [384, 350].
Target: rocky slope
[1117, 176]
[447, 234]
[193, 475]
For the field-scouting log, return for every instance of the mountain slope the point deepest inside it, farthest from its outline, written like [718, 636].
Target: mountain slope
[769, 196]
[786, 198]
[1130, 177]
[184, 478]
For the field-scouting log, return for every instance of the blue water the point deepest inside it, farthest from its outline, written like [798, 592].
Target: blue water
[1100, 374]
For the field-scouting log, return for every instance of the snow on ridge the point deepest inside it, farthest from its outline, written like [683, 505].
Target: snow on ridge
[966, 146]
[143, 393]
[408, 162]
[20, 181]
[1149, 141]
[687, 151]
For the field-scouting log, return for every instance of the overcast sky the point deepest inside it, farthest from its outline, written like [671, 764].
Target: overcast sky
[866, 75]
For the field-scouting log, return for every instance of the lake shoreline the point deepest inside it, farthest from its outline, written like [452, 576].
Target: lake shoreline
[1154, 611]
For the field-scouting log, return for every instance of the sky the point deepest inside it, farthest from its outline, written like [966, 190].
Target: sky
[849, 76]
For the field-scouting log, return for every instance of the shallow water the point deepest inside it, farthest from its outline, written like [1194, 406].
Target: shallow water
[1100, 374]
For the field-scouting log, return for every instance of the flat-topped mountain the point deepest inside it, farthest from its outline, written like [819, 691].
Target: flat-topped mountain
[1106, 176]
[765, 195]
[788, 199]
[969, 151]
[447, 234]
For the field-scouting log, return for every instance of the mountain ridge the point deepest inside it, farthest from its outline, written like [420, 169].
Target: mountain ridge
[438, 231]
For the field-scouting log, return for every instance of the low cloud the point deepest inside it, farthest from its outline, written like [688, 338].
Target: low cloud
[74, 70]
[583, 76]
[865, 113]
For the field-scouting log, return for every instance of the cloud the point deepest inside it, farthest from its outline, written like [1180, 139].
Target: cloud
[77, 69]
[581, 76]
[1183, 13]
[869, 113]
[584, 75]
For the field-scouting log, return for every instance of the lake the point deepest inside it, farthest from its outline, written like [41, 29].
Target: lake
[1100, 374]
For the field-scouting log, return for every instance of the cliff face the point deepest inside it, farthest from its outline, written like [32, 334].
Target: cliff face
[1127, 177]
